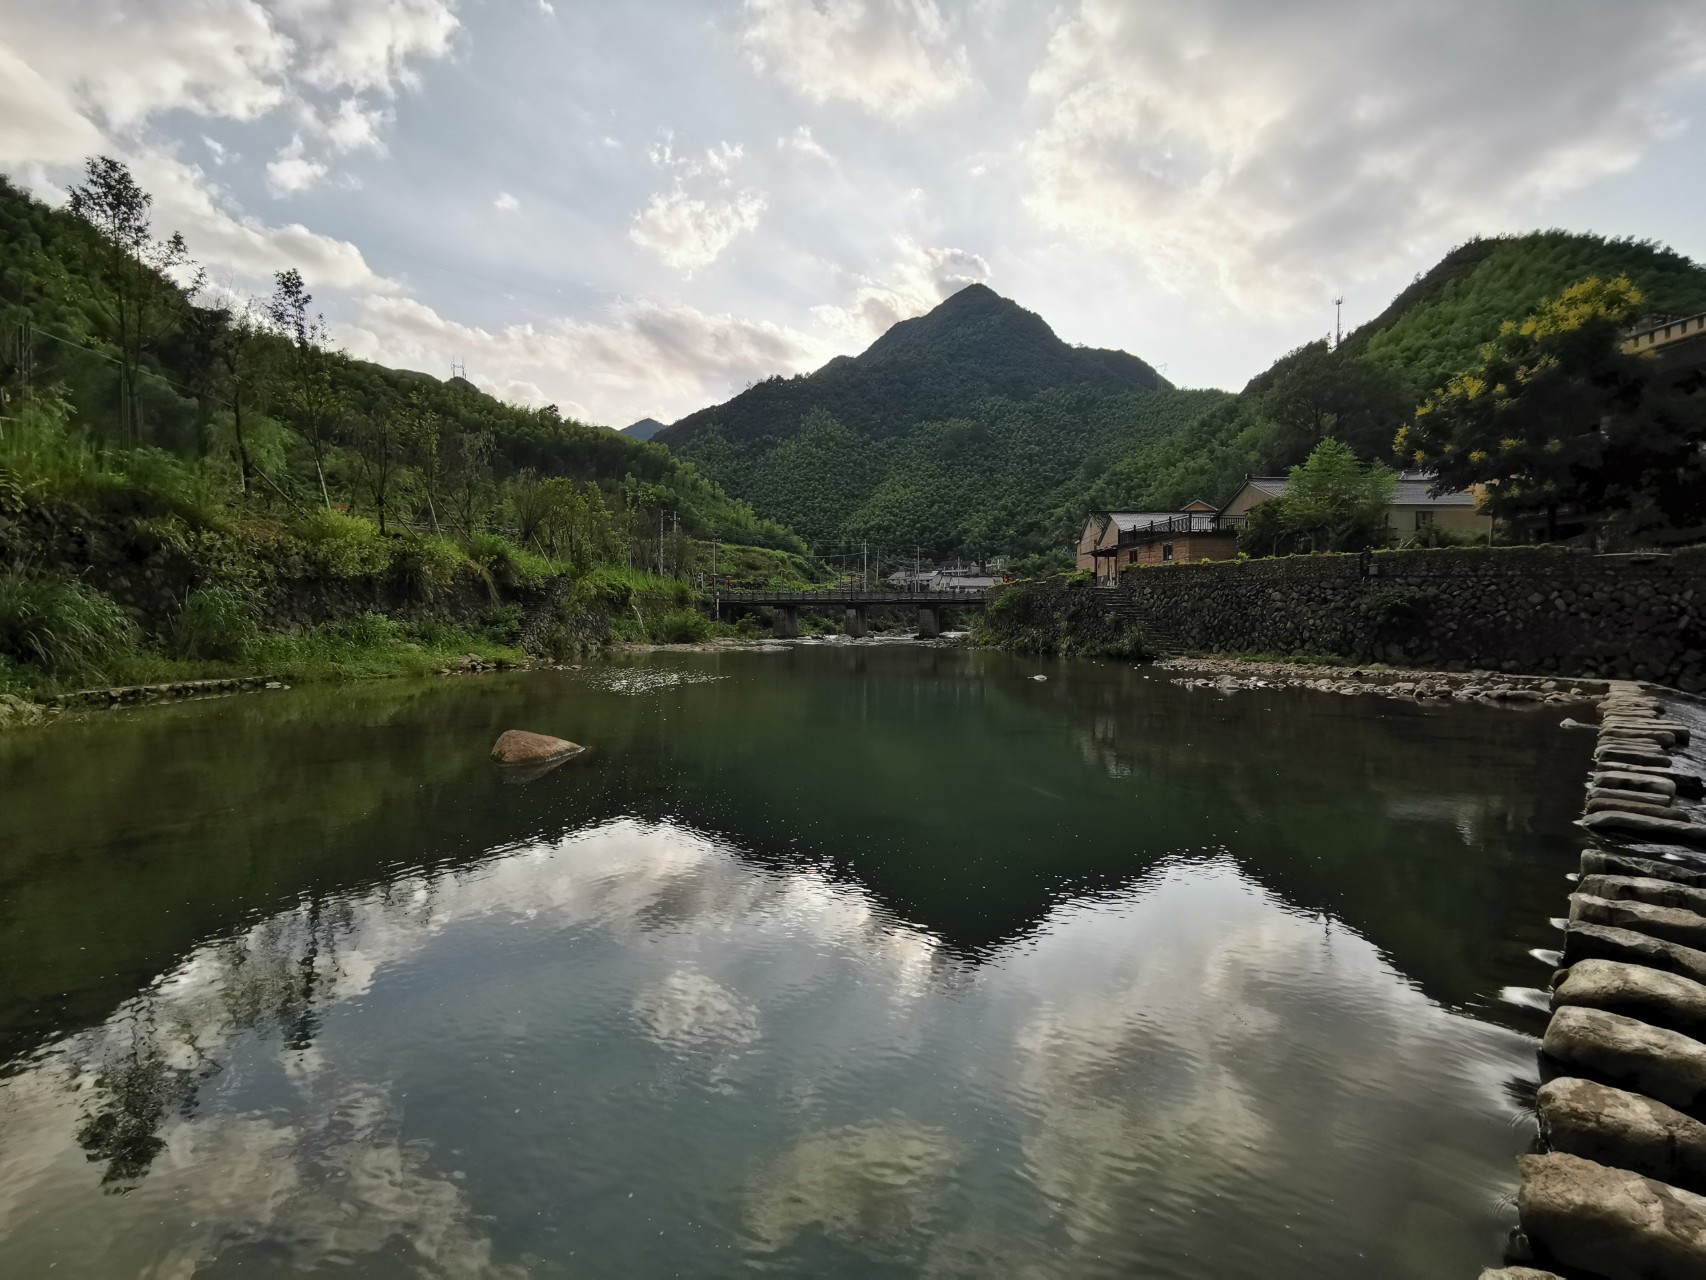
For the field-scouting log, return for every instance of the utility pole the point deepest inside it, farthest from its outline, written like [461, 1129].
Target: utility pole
[864, 565]
[716, 585]
[660, 543]
[1338, 327]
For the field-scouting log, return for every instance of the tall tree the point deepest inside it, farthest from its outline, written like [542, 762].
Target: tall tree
[230, 343]
[1332, 502]
[309, 393]
[1320, 393]
[144, 282]
[1556, 415]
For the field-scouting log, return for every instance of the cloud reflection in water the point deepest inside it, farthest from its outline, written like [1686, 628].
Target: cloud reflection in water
[1185, 1077]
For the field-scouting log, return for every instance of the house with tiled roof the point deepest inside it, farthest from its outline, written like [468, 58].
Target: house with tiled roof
[1413, 507]
[1114, 540]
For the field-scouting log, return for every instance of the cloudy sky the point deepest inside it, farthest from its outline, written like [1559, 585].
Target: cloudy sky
[634, 209]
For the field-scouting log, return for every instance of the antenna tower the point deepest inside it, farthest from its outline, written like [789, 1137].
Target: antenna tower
[1338, 327]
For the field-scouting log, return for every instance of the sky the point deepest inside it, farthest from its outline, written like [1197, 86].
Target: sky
[636, 209]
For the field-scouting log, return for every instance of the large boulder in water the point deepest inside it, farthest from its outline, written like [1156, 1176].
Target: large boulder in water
[519, 747]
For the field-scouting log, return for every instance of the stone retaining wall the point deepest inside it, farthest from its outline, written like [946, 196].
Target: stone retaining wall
[1532, 609]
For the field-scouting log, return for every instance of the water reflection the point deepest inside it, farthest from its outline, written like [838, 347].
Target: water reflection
[856, 963]
[1185, 1077]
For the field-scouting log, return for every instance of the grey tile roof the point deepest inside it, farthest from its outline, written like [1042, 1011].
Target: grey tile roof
[1128, 520]
[1410, 491]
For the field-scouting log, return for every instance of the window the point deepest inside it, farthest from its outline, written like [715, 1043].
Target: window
[1424, 519]
[1166, 551]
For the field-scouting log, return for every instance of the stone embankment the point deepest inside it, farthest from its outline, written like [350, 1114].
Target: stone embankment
[1421, 686]
[1617, 1190]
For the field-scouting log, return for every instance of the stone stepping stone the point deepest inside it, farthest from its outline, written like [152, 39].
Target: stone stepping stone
[1671, 924]
[1611, 1222]
[1666, 1000]
[1604, 862]
[1662, 1064]
[1598, 942]
[1624, 1131]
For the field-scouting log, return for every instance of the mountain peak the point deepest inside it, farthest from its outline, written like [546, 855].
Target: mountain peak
[644, 429]
[972, 345]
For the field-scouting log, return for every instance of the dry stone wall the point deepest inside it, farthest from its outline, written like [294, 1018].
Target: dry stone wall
[1531, 609]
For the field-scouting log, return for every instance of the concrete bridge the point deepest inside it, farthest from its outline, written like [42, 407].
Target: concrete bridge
[785, 606]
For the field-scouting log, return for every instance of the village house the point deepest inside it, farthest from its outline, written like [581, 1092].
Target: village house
[1113, 540]
[1412, 507]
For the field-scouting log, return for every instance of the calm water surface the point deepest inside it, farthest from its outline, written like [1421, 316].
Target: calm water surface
[835, 961]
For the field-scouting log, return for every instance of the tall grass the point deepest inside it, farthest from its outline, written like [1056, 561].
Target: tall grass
[59, 626]
[45, 457]
[216, 623]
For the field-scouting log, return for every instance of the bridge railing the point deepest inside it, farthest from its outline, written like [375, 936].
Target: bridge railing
[842, 595]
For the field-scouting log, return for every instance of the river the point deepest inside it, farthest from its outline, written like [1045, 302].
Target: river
[828, 960]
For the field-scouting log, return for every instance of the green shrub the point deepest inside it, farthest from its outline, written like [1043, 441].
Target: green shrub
[503, 623]
[60, 626]
[344, 546]
[430, 566]
[681, 626]
[505, 563]
[608, 586]
[216, 623]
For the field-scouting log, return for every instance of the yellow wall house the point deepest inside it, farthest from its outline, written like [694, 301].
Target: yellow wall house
[1413, 507]
[1114, 540]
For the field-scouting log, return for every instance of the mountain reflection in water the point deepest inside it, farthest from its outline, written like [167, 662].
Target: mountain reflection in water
[643, 1030]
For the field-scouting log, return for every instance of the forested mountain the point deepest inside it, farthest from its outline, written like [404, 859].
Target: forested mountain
[207, 383]
[644, 429]
[958, 430]
[974, 345]
[973, 429]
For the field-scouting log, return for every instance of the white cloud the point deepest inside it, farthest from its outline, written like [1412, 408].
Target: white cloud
[118, 63]
[893, 58]
[369, 44]
[675, 356]
[290, 171]
[1267, 151]
[911, 285]
[548, 9]
[38, 124]
[357, 126]
[687, 232]
[221, 237]
[802, 143]
[506, 203]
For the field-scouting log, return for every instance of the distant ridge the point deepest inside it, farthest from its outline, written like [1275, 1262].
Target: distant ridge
[644, 429]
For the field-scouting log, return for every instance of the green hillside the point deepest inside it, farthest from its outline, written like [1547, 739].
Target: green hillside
[1434, 328]
[973, 429]
[962, 430]
[1363, 391]
[54, 273]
